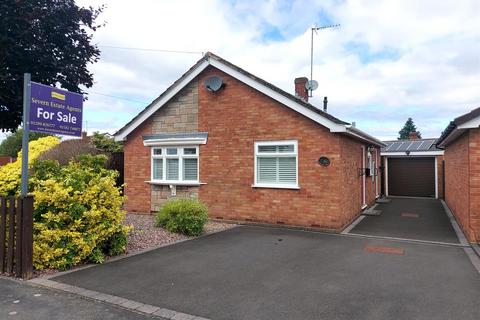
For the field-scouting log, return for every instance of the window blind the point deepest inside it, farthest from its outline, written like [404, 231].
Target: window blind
[172, 169]
[190, 169]
[158, 169]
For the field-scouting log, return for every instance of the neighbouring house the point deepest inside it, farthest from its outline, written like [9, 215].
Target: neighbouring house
[251, 151]
[412, 168]
[461, 142]
[5, 159]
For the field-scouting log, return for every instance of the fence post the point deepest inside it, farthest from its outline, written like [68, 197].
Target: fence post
[11, 234]
[3, 229]
[27, 237]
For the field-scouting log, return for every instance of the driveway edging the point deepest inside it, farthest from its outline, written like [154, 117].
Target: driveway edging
[470, 250]
[131, 305]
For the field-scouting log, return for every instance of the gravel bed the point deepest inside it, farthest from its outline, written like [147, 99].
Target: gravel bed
[145, 235]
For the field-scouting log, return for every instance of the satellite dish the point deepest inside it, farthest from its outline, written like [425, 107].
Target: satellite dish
[311, 85]
[213, 84]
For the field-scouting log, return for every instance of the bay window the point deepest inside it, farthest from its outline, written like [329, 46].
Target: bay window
[177, 164]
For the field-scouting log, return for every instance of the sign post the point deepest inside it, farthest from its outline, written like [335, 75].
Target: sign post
[26, 131]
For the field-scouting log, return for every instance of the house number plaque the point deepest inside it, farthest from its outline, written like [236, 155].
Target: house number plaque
[324, 161]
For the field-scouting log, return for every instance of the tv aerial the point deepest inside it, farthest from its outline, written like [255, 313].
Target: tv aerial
[312, 84]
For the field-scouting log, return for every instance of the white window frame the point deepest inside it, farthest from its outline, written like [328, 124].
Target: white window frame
[180, 156]
[257, 144]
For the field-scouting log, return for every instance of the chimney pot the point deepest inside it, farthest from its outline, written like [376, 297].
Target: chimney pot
[413, 136]
[300, 89]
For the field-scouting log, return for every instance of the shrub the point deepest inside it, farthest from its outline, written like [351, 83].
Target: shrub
[10, 173]
[77, 214]
[116, 244]
[12, 144]
[70, 150]
[187, 216]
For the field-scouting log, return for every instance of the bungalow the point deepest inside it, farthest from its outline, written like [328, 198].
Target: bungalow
[461, 141]
[251, 151]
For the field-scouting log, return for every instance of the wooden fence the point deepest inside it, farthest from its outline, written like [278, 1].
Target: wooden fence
[116, 163]
[16, 236]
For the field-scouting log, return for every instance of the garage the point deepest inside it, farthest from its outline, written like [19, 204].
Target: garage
[412, 168]
[414, 177]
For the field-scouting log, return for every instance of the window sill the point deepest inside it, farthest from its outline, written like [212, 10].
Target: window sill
[178, 183]
[276, 186]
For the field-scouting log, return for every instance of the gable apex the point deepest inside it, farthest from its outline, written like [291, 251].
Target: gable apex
[209, 59]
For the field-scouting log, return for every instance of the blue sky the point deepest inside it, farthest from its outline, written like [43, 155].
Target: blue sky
[388, 61]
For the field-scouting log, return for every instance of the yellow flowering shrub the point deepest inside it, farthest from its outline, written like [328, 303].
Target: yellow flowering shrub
[10, 174]
[78, 213]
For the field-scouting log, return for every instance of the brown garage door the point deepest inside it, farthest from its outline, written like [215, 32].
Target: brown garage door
[411, 177]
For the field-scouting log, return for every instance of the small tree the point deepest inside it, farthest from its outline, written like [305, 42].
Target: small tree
[105, 142]
[13, 142]
[407, 129]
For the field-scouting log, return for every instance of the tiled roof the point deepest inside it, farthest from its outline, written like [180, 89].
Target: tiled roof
[210, 55]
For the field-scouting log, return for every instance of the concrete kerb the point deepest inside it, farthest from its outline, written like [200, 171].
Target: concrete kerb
[461, 237]
[353, 224]
[130, 305]
[472, 250]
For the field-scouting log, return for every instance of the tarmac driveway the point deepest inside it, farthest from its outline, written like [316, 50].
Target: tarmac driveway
[410, 218]
[269, 273]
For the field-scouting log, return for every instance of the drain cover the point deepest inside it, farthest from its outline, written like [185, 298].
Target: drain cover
[381, 249]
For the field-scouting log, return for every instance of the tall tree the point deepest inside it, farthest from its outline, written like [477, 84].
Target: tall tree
[407, 129]
[51, 39]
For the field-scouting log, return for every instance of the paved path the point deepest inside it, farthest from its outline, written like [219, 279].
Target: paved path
[267, 273]
[22, 301]
[409, 218]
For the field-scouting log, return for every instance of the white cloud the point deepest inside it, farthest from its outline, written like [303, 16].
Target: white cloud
[429, 66]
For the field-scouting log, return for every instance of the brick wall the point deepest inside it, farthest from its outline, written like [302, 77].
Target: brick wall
[137, 170]
[352, 180]
[457, 193]
[4, 160]
[238, 116]
[440, 176]
[474, 175]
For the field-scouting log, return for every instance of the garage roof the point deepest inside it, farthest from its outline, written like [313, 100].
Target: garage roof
[417, 146]
[458, 126]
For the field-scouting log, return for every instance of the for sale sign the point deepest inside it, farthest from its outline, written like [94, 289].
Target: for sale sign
[55, 111]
